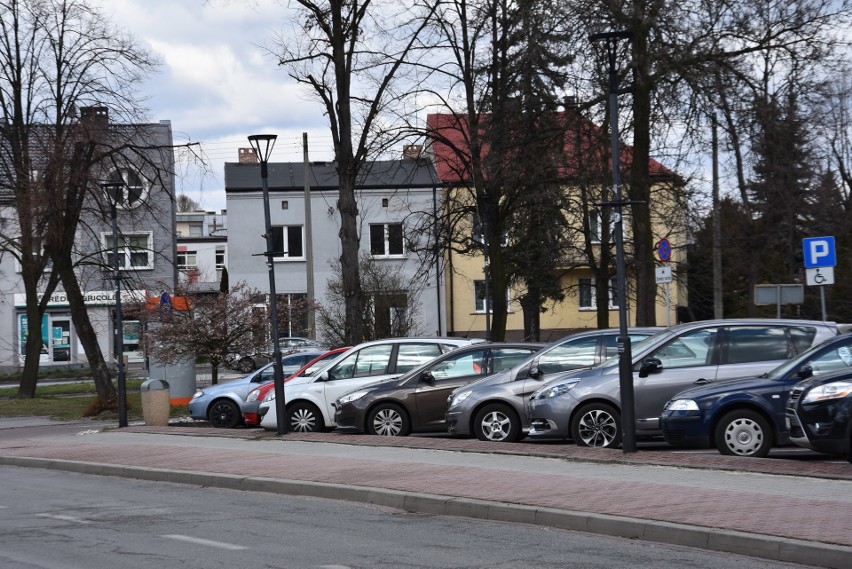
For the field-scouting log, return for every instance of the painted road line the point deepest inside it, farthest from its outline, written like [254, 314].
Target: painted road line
[63, 518]
[199, 541]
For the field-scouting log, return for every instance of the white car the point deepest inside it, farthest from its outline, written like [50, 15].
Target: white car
[310, 400]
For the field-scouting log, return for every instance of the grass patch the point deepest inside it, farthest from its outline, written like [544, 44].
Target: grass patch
[69, 401]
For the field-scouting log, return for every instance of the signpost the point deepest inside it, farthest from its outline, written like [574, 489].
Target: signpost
[820, 258]
[664, 273]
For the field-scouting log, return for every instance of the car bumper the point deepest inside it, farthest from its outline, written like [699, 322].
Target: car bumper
[198, 409]
[250, 413]
[458, 422]
[347, 419]
[551, 417]
[819, 429]
[685, 429]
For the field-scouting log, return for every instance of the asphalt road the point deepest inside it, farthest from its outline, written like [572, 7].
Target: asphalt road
[59, 520]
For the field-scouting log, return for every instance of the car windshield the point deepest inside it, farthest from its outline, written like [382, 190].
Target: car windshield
[840, 357]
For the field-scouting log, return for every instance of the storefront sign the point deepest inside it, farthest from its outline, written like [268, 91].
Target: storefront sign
[91, 298]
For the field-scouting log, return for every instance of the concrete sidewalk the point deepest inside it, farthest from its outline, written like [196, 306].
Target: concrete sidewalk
[787, 510]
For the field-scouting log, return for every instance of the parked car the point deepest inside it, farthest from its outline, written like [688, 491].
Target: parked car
[819, 412]
[246, 363]
[220, 404]
[494, 408]
[309, 400]
[417, 401]
[255, 396]
[585, 406]
[746, 417]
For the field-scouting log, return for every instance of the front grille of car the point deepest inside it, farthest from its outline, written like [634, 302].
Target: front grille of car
[673, 436]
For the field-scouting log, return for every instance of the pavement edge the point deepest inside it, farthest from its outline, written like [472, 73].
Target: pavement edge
[713, 539]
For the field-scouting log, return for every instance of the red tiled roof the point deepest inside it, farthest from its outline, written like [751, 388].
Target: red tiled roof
[584, 144]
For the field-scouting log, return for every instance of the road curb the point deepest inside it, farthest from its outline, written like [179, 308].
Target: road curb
[754, 545]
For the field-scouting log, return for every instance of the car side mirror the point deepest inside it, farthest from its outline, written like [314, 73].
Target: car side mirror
[427, 377]
[324, 376]
[649, 366]
[535, 372]
[805, 372]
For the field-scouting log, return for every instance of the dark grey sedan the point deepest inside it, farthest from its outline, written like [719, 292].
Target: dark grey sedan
[417, 401]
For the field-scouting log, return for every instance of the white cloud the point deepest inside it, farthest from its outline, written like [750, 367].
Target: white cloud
[216, 85]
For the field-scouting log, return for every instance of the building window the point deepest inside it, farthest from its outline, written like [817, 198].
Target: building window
[195, 229]
[134, 187]
[135, 251]
[588, 298]
[287, 242]
[187, 260]
[386, 240]
[220, 258]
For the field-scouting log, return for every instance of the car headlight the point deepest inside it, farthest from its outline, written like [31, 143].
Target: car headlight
[555, 390]
[198, 394]
[269, 396]
[829, 391]
[681, 405]
[255, 393]
[458, 398]
[350, 397]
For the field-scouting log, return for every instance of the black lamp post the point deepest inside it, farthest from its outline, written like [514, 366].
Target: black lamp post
[263, 144]
[115, 193]
[625, 362]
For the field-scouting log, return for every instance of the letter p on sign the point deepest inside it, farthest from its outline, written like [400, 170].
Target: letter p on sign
[819, 252]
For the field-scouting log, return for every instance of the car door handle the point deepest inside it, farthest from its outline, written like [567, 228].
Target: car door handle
[703, 381]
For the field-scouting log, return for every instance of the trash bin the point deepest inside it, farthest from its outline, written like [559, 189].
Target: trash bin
[156, 405]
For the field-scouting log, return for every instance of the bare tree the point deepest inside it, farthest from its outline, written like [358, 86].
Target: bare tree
[392, 307]
[349, 55]
[215, 326]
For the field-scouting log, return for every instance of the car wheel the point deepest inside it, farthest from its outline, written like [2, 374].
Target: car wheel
[497, 422]
[304, 418]
[743, 433]
[597, 425]
[245, 365]
[224, 414]
[388, 420]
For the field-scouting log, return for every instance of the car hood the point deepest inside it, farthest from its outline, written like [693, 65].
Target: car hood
[494, 379]
[824, 378]
[723, 387]
[226, 387]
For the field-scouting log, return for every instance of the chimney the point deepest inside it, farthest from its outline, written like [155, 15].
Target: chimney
[412, 151]
[248, 156]
[95, 121]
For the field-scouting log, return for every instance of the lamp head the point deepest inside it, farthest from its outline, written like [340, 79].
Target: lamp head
[263, 144]
[114, 191]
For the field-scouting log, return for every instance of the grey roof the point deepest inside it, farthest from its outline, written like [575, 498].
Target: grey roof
[289, 176]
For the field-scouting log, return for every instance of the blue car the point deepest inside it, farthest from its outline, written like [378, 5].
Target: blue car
[220, 404]
[746, 417]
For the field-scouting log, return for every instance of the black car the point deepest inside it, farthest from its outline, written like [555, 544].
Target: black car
[746, 417]
[819, 413]
[417, 401]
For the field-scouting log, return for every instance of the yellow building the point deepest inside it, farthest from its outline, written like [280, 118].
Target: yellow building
[465, 280]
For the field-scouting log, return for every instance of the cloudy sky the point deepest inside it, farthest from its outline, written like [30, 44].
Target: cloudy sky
[216, 84]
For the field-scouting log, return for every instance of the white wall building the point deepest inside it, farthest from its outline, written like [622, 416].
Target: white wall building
[391, 196]
[202, 248]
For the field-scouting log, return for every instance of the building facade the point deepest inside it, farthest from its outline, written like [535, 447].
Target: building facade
[202, 249]
[145, 217]
[391, 196]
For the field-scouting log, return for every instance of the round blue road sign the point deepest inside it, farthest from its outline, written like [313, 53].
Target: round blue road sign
[664, 250]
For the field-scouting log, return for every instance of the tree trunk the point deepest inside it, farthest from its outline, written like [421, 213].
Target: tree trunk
[86, 334]
[640, 188]
[352, 291]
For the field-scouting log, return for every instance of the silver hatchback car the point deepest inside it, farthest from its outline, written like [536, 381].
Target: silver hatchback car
[494, 408]
[585, 406]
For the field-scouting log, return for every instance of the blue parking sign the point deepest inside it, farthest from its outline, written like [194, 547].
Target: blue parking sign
[819, 252]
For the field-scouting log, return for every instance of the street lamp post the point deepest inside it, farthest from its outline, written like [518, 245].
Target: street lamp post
[625, 362]
[263, 144]
[115, 193]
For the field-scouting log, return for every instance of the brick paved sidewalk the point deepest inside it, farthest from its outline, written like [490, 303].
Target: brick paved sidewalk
[778, 499]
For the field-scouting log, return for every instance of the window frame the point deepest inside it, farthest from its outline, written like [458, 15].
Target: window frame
[592, 294]
[281, 235]
[386, 242]
[127, 251]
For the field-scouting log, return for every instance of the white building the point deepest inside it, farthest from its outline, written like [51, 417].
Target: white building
[202, 248]
[392, 196]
